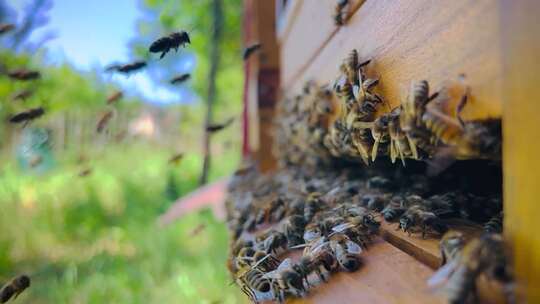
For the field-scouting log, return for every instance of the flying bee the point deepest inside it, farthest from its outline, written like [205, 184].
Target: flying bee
[127, 68]
[340, 12]
[24, 74]
[485, 255]
[6, 27]
[417, 217]
[198, 229]
[180, 78]
[173, 41]
[85, 172]
[14, 288]
[27, 115]
[248, 51]
[175, 159]
[495, 224]
[22, 95]
[212, 128]
[114, 97]
[103, 121]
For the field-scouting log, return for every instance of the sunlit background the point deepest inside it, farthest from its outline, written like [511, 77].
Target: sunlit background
[93, 237]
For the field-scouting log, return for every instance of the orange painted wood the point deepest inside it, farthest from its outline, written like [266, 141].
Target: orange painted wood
[520, 47]
[388, 276]
[410, 40]
[304, 35]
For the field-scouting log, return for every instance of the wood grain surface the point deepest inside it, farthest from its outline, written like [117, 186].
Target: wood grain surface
[406, 40]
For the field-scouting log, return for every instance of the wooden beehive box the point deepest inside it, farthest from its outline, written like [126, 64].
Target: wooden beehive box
[408, 40]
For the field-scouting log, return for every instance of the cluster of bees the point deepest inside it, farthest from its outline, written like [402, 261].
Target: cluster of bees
[344, 120]
[324, 201]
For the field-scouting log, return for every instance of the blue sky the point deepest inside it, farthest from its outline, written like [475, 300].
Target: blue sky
[94, 33]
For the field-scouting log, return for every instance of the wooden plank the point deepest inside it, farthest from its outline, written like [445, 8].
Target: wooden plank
[520, 47]
[387, 276]
[413, 40]
[312, 27]
[285, 22]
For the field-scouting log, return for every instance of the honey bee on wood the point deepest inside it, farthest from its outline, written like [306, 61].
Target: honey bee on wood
[127, 68]
[14, 288]
[180, 78]
[340, 12]
[114, 97]
[27, 115]
[172, 41]
[24, 74]
[6, 27]
[416, 217]
[103, 121]
[347, 252]
[248, 51]
[212, 128]
[394, 209]
[22, 95]
[485, 255]
[288, 280]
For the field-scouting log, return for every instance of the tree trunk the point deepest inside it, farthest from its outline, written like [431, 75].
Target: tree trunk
[217, 24]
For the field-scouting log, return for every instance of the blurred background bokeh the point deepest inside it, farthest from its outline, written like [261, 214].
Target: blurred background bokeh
[95, 238]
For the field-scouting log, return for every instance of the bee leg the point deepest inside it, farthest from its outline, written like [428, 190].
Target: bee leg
[412, 145]
[162, 54]
[461, 105]
[375, 149]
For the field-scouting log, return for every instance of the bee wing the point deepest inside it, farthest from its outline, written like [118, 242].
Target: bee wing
[287, 263]
[311, 235]
[342, 227]
[353, 247]
[356, 91]
[441, 276]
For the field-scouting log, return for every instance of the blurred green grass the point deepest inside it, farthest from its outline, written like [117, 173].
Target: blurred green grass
[95, 239]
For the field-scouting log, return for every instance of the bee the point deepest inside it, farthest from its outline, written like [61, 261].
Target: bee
[85, 172]
[248, 51]
[416, 216]
[24, 74]
[253, 283]
[103, 121]
[212, 128]
[379, 182]
[399, 146]
[347, 252]
[175, 159]
[173, 41]
[495, 224]
[394, 209]
[340, 12]
[22, 95]
[14, 288]
[198, 229]
[288, 280]
[413, 108]
[312, 205]
[274, 242]
[483, 255]
[27, 115]
[379, 132]
[375, 202]
[6, 27]
[317, 258]
[180, 78]
[451, 245]
[294, 230]
[114, 97]
[127, 68]
[35, 160]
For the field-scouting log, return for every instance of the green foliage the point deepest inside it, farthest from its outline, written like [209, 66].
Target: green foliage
[96, 240]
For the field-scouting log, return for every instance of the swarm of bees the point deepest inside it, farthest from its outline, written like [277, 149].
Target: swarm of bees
[322, 203]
